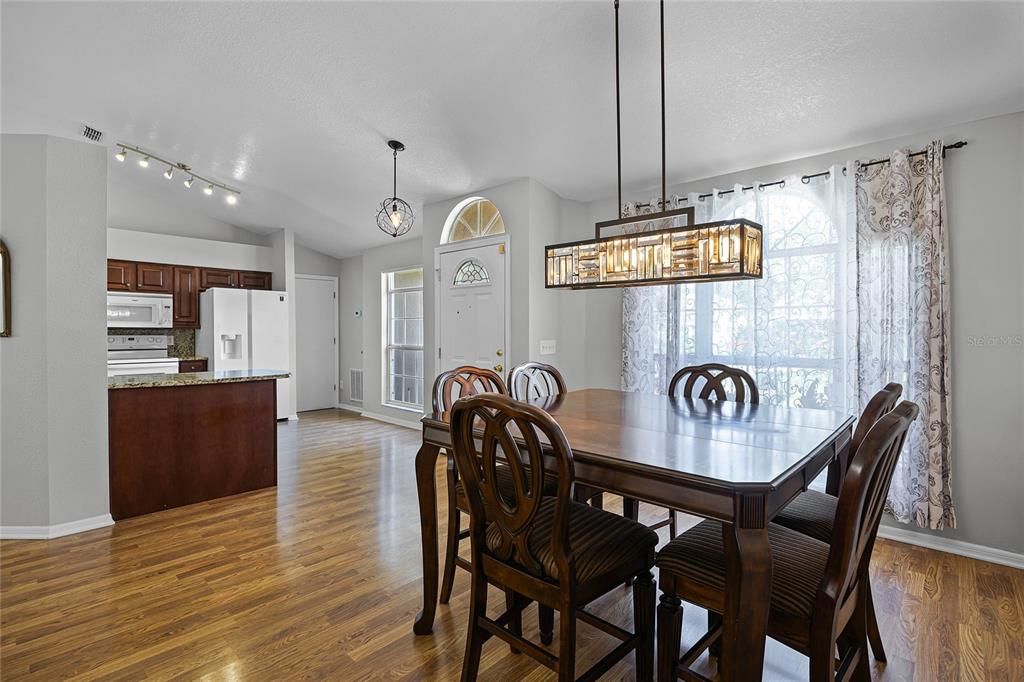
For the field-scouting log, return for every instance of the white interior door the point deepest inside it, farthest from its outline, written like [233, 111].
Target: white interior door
[316, 352]
[471, 304]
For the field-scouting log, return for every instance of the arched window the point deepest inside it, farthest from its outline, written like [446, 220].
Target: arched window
[470, 272]
[475, 217]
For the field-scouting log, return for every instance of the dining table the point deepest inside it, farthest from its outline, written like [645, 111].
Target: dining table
[738, 463]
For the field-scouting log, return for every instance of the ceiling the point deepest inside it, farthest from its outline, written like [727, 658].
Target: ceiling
[293, 102]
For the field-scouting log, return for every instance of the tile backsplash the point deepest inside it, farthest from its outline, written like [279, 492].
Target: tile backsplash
[183, 346]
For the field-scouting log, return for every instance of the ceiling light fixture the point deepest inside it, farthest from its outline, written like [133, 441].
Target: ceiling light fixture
[659, 247]
[395, 216]
[173, 166]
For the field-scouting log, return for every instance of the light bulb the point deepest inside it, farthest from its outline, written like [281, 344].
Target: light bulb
[169, 172]
[208, 190]
[120, 156]
[396, 218]
[231, 199]
[188, 183]
[144, 162]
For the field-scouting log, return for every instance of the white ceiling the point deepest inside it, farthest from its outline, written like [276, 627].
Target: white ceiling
[293, 102]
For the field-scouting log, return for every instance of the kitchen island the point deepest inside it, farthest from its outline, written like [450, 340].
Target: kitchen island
[177, 439]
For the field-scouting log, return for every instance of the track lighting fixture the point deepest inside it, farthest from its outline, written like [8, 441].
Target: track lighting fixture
[231, 194]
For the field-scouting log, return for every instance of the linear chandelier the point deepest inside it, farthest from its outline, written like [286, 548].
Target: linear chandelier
[662, 247]
[230, 193]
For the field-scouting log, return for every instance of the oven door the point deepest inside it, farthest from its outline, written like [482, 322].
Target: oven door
[128, 311]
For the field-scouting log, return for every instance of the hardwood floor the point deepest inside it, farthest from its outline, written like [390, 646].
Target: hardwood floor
[319, 578]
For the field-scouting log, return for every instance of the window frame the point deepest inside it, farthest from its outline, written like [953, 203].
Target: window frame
[386, 339]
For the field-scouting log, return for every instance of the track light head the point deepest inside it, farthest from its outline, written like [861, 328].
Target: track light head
[144, 162]
[121, 155]
[208, 190]
[169, 172]
[188, 183]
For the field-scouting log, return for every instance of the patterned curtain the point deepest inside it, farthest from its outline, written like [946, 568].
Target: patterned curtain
[903, 298]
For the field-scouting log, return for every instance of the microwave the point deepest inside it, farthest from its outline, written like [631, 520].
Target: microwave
[144, 311]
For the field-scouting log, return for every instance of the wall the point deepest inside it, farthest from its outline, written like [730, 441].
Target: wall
[133, 206]
[310, 262]
[53, 443]
[350, 302]
[282, 245]
[984, 190]
[167, 248]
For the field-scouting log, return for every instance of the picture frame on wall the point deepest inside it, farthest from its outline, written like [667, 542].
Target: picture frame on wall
[5, 290]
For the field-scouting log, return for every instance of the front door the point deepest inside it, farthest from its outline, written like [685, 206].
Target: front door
[471, 304]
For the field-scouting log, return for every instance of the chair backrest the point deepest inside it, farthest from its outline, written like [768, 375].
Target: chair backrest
[535, 380]
[715, 378]
[489, 430]
[462, 382]
[880, 405]
[862, 499]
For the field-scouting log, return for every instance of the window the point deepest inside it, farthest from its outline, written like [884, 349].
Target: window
[473, 218]
[471, 272]
[403, 338]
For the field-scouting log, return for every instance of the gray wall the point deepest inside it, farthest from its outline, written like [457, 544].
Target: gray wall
[53, 444]
[984, 190]
[310, 262]
[350, 302]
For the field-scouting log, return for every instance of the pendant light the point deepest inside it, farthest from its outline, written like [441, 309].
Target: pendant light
[663, 247]
[395, 216]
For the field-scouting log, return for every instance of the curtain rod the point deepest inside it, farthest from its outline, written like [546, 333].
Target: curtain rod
[807, 178]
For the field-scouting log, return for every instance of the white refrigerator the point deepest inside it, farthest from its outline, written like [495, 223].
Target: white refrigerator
[246, 329]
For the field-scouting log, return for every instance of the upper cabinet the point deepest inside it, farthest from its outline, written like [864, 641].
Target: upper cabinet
[120, 275]
[183, 282]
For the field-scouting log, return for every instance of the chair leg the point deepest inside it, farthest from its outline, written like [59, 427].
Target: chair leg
[670, 629]
[546, 623]
[715, 621]
[630, 508]
[671, 524]
[475, 635]
[451, 550]
[874, 636]
[858, 638]
[567, 644]
[644, 593]
[515, 623]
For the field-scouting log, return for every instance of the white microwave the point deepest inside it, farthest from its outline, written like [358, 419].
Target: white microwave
[145, 311]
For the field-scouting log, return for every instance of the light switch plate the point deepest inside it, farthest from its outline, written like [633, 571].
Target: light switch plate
[548, 347]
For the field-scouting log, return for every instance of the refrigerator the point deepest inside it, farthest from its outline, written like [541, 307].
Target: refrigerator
[246, 329]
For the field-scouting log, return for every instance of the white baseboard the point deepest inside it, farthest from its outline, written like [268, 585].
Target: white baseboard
[345, 407]
[967, 549]
[387, 419]
[55, 531]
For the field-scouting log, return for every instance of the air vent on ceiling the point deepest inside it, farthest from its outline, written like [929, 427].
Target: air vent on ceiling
[90, 133]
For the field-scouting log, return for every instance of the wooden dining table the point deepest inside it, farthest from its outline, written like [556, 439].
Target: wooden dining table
[737, 463]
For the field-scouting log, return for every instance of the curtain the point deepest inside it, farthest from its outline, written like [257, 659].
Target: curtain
[790, 330]
[903, 299]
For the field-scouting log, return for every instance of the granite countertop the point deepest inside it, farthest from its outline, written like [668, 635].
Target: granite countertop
[194, 378]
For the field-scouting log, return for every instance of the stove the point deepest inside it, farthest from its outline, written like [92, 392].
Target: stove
[142, 354]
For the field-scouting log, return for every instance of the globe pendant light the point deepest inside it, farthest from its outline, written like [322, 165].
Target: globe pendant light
[395, 216]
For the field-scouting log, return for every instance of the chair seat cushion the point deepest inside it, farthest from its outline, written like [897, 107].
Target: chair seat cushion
[506, 486]
[812, 513]
[601, 542]
[798, 564]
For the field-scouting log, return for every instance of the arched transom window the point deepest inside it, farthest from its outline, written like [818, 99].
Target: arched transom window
[473, 218]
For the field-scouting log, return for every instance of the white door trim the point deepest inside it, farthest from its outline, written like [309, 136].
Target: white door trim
[465, 245]
[337, 332]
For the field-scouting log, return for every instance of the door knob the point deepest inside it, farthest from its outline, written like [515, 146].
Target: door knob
[499, 368]
[499, 352]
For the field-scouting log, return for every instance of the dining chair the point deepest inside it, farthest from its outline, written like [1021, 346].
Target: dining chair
[712, 380]
[817, 601]
[549, 549]
[813, 512]
[448, 387]
[535, 380]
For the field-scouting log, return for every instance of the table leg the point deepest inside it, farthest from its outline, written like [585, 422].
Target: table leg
[837, 470]
[426, 491]
[748, 588]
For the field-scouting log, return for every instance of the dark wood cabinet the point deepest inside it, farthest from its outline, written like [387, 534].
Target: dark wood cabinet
[251, 279]
[215, 277]
[192, 366]
[186, 297]
[154, 278]
[121, 275]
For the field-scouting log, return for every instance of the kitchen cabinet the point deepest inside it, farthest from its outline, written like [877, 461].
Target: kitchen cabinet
[186, 297]
[215, 277]
[121, 275]
[154, 278]
[251, 279]
[192, 365]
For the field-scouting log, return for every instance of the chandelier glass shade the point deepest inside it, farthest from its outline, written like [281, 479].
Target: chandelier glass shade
[395, 216]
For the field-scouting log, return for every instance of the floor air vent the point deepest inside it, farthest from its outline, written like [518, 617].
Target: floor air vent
[355, 385]
[90, 133]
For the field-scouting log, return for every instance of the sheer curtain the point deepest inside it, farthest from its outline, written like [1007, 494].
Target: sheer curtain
[790, 330]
